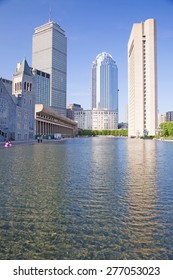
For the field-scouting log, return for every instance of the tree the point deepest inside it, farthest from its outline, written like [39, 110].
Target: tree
[167, 129]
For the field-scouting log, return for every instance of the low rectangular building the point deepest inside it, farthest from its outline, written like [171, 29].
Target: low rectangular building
[48, 123]
[97, 119]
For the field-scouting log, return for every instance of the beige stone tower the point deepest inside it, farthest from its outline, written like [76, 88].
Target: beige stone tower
[142, 79]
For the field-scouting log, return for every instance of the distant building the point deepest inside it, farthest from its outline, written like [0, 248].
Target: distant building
[142, 79]
[96, 119]
[104, 113]
[42, 87]
[49, 54]
[17, 106]
[73, 108]
[161, 119]
[8, 85]
[104, 83]
[123, 125]
[8, 108]
[169, 116]
[49, 123]
[24, 90]
[83, 118]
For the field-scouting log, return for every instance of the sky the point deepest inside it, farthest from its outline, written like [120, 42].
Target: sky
[91, 27]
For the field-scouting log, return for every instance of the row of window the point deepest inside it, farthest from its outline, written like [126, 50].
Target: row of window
[19, 136]
[43, 74]
[27, 86]
[21, 125]
[144, 69]
[81, 113]
[45, 117]
[18, 86]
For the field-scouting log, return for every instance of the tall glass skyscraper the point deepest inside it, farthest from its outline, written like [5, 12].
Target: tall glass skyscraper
[42, 87]
[49, 54]
[104, 83]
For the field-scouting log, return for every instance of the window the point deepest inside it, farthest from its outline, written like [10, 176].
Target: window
[27, 86]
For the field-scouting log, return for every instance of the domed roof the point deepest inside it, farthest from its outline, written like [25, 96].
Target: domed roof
[103, 55]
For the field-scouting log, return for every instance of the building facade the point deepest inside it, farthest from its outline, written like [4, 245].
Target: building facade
[17, 103]
[96, 119]
[7, 113]
[161, 119]
[23, 92]
[8, 85]
[142, 79]
[42, 87]
[104, 83]
[49, 123]
[169, 116]
[73, 108]
[49, 54]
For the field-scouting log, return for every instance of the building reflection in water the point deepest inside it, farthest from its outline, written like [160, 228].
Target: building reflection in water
[142, 221]
[91, 198]
[32, 202]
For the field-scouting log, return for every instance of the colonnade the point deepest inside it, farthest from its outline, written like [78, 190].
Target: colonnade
[49, 122]
[47, 128]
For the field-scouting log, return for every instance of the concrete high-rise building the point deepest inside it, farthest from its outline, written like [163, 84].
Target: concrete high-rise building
[49, 54]
[104, 83]
[142, 79]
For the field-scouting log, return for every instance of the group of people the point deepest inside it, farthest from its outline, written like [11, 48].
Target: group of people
[39, 139]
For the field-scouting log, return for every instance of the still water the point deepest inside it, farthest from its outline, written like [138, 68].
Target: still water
[90, 198]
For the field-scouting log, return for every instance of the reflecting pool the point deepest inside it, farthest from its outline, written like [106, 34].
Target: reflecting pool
[87, 198]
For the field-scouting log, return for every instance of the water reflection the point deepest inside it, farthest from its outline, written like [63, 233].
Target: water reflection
[142, 220]
[93, 198]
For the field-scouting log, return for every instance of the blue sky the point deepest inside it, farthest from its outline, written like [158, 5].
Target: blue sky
[91, 26]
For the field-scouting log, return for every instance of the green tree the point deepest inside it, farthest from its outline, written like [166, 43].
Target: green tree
[164, 127]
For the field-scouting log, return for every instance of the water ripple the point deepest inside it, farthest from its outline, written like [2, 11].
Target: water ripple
[92, 198]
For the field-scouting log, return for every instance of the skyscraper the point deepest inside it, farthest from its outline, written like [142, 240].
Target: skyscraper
[142, 79]
[49, 54]
[42, 87]
[104, 83]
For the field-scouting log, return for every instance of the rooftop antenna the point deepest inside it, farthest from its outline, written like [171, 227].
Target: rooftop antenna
[50, 13]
